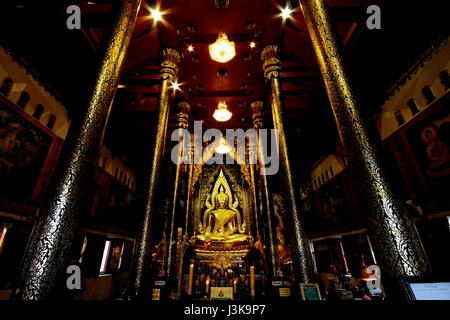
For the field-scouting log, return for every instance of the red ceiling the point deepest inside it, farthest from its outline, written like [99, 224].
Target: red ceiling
[198, 72]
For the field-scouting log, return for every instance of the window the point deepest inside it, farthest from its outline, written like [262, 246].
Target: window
[104, 163]
[121, 175]
[6, 86]
[116, 172]
[444, 77]
[23, 99]
[38, 111]
[331, 171]
[399, 117]
[105, 258]
[428, 94]
[51, 121]
[413, 106]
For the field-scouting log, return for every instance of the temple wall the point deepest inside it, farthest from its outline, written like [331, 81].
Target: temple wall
[425, 72]
[23, 81]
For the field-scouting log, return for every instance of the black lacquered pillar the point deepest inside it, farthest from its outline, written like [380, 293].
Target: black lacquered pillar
[190, 187]
[141, 270]
[396, 242]
[170, 252]
[50, 243]
[302, 258]
[251, 156]
[258, 123]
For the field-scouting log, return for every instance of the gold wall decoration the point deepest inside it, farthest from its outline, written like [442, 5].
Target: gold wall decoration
[222, 260]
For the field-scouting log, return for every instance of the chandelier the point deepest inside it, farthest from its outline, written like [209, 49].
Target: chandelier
[222, 114]
[223, 147]
[222, 50]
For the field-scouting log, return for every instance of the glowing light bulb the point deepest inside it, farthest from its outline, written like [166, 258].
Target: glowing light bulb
[175, 86]
[190, 48]
[286, 13]
[222, 50]
[222, 114]
[156, 15]
[252, 44]
[223, 147]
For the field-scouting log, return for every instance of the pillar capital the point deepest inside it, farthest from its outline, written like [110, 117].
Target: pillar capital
[169, 66]
[183, 114]
[258, 114]
[271, 62]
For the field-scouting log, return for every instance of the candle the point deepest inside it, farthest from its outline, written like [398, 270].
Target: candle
[191, 278]
[207, 286]
[252, 281]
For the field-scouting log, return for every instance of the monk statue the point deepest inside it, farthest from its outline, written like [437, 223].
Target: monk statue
[222, 219]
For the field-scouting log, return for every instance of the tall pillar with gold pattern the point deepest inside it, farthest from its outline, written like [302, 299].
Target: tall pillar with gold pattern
[396, 242]
[189, 192]
[50, 243]
[258, 123]
[190, 187]
[251, 155]
[170, 252]
[143, 253]
[303, 261]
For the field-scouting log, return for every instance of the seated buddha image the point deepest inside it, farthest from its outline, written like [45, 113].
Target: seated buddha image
[222, 219]
[437, 151]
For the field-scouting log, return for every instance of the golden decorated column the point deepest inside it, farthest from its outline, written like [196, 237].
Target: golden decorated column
[189, 192]
[50, 243]
[396, 242]
[251, 153]
[302, 258]
[143, 251]
[190, 186]
[170, 252]
[258, 123]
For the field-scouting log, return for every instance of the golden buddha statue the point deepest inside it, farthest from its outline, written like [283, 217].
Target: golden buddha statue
[222, 219]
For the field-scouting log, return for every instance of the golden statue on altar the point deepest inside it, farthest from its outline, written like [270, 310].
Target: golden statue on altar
[222, 220]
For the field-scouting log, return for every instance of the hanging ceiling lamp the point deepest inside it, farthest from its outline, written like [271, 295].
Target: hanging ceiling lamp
[222, 50]
[223, 147]
[222, 114]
